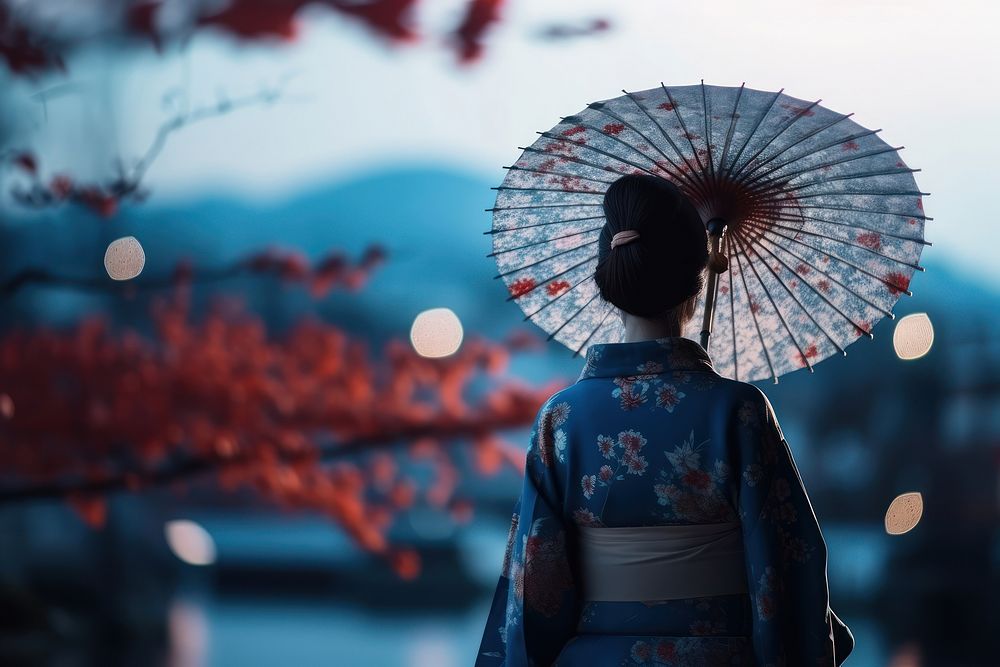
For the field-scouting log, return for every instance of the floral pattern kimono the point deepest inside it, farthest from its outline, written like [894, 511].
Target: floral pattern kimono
[650, 434]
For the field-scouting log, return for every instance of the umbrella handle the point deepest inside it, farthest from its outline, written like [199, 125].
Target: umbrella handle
[717, 263]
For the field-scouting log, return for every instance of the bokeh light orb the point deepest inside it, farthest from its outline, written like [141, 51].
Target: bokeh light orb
[6, 406]
[436, 333]
[913, 336]
[124, 258]
[904, 513]
[190, 542]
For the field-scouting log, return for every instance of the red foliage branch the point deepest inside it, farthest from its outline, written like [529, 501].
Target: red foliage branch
[253, 19]
[320, 277]
[26, 51]
[106, 198]
[309, 420]
[247, 19]
[479, 16]
[389, 18]
[569, 31]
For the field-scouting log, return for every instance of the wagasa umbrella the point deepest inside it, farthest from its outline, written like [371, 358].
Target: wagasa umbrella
[816, 223]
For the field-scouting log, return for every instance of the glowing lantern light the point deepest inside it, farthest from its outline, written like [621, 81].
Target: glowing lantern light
[431, 650]
[6, 406]
[124, 258]
[904, 513]
[190, 542]
[913, 336]
[187, 628]
[436, 333]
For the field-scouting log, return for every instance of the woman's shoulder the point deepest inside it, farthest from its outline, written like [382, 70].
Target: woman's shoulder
[749, 392]
[745, 401]
[567, 396]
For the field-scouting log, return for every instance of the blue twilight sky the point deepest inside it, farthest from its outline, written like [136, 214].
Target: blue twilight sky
[351, 105]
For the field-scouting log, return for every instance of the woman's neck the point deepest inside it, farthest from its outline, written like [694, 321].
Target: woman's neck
[642, 328]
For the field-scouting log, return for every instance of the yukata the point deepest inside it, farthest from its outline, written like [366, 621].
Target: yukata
[650, 435]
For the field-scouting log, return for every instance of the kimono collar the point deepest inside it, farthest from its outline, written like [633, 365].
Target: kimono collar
[660, 355]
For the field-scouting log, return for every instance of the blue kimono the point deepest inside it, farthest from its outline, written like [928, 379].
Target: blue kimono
[651, 435]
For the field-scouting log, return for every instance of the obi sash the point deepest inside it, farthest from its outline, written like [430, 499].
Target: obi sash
[645, 563]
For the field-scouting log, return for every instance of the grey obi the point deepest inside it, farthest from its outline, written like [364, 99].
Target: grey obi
[645, 563]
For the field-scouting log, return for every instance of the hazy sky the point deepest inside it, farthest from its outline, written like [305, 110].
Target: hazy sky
[922, 71]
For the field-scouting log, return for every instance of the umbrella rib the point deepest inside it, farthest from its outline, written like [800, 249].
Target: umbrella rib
[585, 278]
[572, 158]
[607, 312]
[832, 256]
[756, 324]
[680, 121]
[746, 142]
[818, 292]
[692, 174]
[708, 131]
[791, 121]
[792, 294]
[571, 317]
[795, 143]
[769, 223]
[547, 240]
[680, 172]
[767, 184]
[523, 208]
[895, 171]
[771, 298]
[569, 192]
[541, 261]
[557, 173]
[732, 129]
[605, 153]
[851, 209]
[780, 186]
[776, 185]
[612, 137]
[556, 275]
[841, 140]
[542, 224]
[852, 226]
[586, 126]
[855, 193]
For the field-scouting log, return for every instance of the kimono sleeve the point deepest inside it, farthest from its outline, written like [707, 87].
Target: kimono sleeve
[786, 556]
[535, 606]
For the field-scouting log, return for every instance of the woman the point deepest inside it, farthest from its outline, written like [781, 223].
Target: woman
[662, 520]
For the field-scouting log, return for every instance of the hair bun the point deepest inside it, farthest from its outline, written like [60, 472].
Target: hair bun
[667, 268]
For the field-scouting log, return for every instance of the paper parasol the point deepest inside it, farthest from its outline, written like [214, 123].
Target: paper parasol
[821, 221]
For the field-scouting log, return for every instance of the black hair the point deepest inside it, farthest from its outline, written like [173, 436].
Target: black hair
[664, 266]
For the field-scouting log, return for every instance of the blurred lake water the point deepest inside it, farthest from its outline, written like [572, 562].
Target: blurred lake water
[227, 629]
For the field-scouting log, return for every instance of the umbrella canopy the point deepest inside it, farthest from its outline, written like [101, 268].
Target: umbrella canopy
[824, 222]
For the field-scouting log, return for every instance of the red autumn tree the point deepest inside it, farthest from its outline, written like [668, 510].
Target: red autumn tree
[29, 49]
[311, 420]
